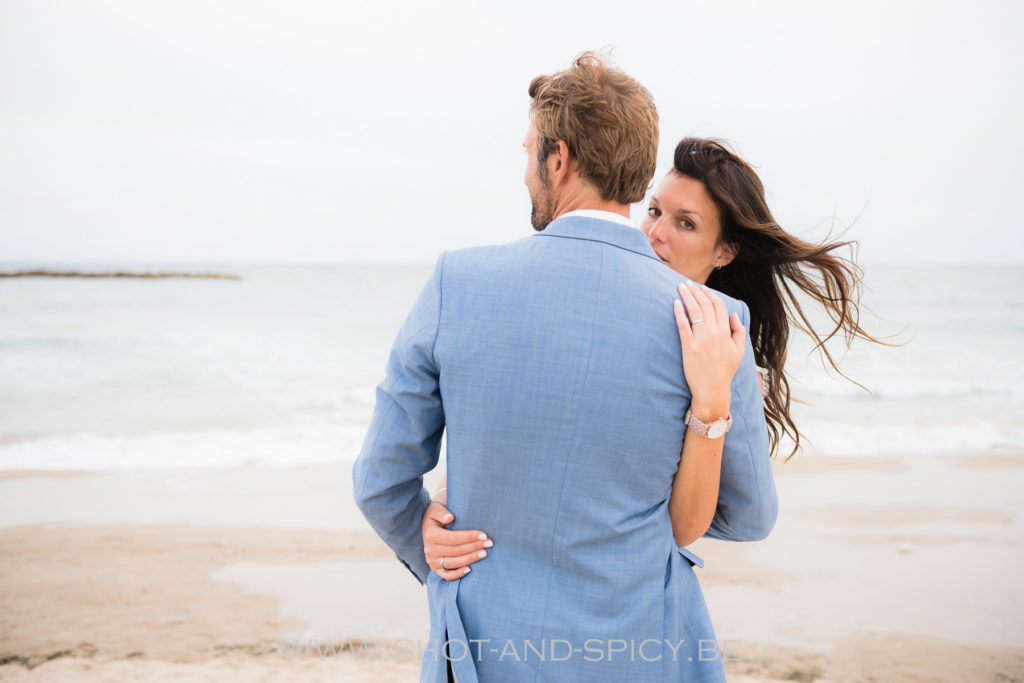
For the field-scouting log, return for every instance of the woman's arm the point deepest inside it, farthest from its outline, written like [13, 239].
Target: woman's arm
[441, 492]
[712, 345]
[695, 486]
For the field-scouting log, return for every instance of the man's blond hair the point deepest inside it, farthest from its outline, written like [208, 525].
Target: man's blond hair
[607, 120]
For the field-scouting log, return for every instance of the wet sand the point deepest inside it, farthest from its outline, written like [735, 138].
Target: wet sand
[879, 569]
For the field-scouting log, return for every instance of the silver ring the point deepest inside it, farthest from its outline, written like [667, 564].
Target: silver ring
[442, 565]
[694, 322]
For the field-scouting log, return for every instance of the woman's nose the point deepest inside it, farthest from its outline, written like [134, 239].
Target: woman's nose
[653, 231]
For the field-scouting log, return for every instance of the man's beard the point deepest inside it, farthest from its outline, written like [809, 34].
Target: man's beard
[543, 203]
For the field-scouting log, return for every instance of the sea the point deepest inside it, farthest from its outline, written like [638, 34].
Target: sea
[278, 367]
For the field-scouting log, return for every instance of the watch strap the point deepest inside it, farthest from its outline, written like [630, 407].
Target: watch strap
[702, 428]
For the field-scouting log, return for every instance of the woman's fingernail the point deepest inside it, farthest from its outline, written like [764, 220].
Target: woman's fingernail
[488, 544]
[682, 285]
[678, 303]
[482, 554]
[449, 518]
[482, 537]
[466, 570]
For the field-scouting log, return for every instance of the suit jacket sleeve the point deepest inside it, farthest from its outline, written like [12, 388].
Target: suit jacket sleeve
[404, 438]
[747, 502]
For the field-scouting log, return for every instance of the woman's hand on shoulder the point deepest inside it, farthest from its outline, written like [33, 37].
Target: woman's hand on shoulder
[713, 343]
[458, 549]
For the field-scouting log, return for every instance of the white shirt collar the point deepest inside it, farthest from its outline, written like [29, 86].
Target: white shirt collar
[599, 214]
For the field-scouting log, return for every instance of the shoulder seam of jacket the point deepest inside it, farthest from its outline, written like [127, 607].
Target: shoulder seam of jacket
[601, 241]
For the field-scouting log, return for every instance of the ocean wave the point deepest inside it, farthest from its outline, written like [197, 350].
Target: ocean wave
[300, 443]
[910, 437]
[823, 385]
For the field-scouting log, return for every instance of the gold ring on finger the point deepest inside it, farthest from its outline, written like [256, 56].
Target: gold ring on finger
[442, 565]
[694, 322]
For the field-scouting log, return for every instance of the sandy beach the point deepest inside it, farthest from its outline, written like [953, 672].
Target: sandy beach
[879, 569]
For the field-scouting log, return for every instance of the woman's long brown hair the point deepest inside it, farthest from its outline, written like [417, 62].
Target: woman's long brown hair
[770, 268]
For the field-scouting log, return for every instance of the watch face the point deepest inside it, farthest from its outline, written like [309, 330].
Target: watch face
[717, 429]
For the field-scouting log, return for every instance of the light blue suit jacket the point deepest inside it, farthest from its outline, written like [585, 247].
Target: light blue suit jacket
[554, 364]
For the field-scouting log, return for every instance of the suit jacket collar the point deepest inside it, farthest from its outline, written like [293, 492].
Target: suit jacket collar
[598, 230]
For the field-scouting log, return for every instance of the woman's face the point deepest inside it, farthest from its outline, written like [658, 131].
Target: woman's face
[683, 226]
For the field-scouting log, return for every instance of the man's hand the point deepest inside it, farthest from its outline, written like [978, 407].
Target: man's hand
[459, 549]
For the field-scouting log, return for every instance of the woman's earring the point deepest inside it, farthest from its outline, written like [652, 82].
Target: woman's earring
[717, 267]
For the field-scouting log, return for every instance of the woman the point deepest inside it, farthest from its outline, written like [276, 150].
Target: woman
[708, 220]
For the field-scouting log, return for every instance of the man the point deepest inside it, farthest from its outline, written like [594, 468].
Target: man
[554, 365]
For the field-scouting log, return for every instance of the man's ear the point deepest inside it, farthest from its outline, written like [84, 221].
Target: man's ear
[560, 163]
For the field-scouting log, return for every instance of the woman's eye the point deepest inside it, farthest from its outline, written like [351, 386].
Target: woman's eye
[687, 225]
[653, 211]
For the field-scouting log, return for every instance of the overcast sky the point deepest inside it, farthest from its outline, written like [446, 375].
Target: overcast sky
[388, 131]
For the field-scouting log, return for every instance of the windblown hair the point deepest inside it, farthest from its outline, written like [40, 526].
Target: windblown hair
[770, 269]
[607, 120]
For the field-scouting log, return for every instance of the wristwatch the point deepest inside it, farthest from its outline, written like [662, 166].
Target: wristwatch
[711, 430]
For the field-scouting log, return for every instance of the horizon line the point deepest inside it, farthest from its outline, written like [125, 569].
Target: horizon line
[135, 261]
